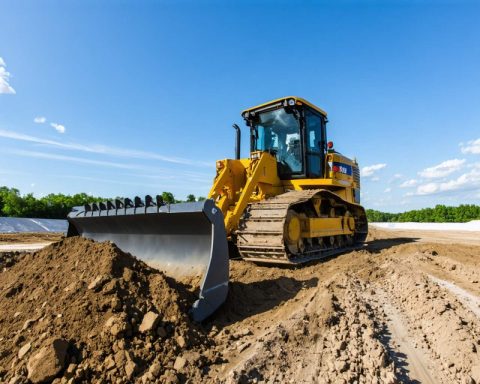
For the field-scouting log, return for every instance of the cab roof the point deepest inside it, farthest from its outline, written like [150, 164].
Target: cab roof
[280, 101]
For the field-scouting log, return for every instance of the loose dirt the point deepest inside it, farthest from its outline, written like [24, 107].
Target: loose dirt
[404, 309]
[27, 241]
[29, 237]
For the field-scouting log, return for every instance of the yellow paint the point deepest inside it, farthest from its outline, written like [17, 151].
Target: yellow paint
[239, 182]
[298, 100]
[324, 226]
[294, 230]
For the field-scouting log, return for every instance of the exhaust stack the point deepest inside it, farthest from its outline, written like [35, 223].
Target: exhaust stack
[238, 137]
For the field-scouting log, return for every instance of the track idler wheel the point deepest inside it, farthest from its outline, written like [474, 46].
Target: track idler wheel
[293, 233]
[349, 221]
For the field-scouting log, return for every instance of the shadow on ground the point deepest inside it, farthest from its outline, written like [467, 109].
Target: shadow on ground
[248, 299]
[379, 245]
[399, 358]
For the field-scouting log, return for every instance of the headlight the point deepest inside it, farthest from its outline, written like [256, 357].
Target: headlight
[291, 102]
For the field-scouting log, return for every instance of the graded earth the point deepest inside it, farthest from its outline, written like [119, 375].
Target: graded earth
[404, 309]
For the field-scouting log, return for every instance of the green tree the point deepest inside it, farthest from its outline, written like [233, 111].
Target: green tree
[439, 214]
[191, 198]
[168, 197]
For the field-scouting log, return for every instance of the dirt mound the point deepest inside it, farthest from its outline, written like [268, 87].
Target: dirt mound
[8, 259]
[85, 310]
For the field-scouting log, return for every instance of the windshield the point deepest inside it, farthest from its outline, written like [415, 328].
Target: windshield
[279, 132]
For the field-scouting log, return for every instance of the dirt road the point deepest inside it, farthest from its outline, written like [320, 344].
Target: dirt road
[404, 309]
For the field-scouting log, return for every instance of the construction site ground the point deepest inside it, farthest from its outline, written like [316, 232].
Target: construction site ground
[406, 308]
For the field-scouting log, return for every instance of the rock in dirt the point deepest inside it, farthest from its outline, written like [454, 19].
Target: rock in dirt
[149, 322]
[23, 351]
[48, 362]
[475, 373]
[154, 369]
[97, 283]
[130, 368]
[179, 363]
[181, 341]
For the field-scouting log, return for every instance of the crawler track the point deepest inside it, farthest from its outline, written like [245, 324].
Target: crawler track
[262, 231]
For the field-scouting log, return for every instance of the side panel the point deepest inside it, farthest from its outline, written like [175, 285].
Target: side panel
[342, 178]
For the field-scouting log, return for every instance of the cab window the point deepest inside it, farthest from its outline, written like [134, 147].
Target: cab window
[315, 143]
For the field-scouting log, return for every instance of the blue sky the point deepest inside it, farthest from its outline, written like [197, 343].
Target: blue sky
[138, 97]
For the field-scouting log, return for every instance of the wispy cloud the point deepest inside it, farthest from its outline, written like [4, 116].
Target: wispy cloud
[102, 149]
[74, 159]
[58, 127]
[472, 146]
[370, 170]
[443, 169]
[466, 182]
[39, 119]
[135, 172]
[5, 86]
[409, 183]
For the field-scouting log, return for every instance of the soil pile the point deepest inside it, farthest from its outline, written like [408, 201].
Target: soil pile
[8, 259]
[81, 311]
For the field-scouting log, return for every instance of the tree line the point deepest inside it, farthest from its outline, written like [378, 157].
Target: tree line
[56, 205]
[438, 214]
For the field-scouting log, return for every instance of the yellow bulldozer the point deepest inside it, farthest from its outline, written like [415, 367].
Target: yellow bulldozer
[295, 199]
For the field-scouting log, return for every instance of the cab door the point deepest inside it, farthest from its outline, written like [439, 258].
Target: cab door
[314, 143]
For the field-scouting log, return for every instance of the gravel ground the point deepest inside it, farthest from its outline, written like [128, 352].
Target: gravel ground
[404, 309]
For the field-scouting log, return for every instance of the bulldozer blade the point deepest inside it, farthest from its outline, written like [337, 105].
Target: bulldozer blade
[182, 239]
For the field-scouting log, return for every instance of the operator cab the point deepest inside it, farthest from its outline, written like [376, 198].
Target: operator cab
[293, 130]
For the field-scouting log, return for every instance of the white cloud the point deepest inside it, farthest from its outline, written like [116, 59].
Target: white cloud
[369, 171]
[4, 79]
[59, 127]
[387, 190]
[467, 182]
[427, 189]
[443, 169]
[103, 150]
[409, 183]
[472, 146]
[39, 120]
[51, 156]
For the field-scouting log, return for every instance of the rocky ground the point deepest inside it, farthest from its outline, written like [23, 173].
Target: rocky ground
[404, 309]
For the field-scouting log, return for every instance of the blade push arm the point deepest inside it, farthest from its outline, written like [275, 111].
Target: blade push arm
[239, 182]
